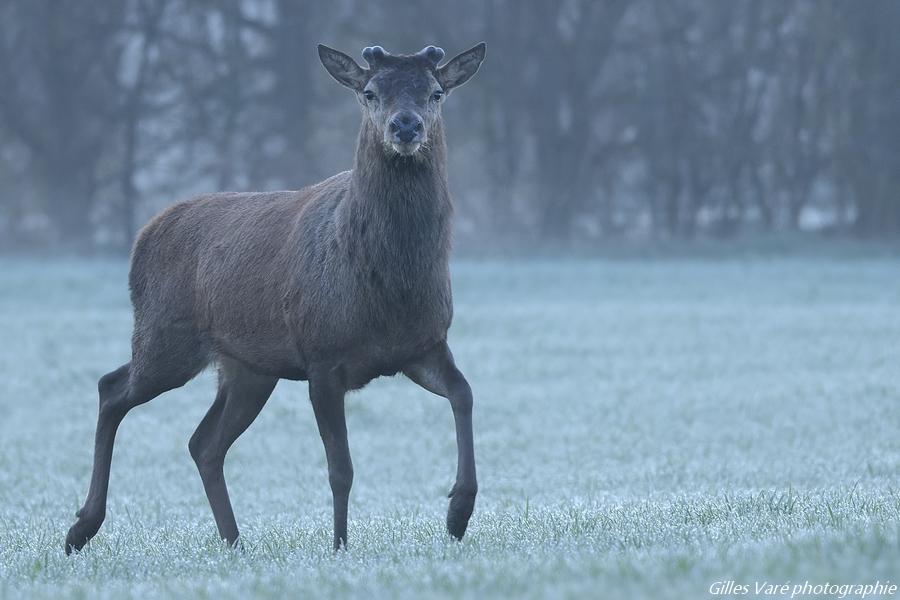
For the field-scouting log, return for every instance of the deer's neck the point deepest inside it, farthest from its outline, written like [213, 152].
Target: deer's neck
[398, 211]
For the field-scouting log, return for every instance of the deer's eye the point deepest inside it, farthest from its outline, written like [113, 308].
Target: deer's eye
[437, 96]
[369, 95]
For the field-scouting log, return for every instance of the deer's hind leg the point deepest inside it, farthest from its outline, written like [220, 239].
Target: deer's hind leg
[161, 360]
[241, 396]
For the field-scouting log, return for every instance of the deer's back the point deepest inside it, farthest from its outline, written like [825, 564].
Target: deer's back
[264, 277]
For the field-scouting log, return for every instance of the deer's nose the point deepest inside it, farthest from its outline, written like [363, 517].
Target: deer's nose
[407, 126]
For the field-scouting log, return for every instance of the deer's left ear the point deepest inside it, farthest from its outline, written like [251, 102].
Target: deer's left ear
[343, 68]
[461, 68]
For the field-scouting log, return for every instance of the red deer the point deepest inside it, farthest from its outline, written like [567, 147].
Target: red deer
[335, 284]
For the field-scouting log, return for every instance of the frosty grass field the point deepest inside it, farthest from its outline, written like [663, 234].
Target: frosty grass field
[643, 429]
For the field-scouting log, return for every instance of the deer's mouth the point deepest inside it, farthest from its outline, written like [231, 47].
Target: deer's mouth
[405, 149]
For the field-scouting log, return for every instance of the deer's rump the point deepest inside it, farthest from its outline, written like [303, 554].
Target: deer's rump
[213, 272]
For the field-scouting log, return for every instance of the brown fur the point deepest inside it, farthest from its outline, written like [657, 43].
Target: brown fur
[337, 284]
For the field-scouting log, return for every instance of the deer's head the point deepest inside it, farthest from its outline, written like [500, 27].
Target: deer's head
[402, 94]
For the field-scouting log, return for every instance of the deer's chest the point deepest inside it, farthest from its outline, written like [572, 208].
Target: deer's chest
[387, 351]
[375, 330]
[399, 326]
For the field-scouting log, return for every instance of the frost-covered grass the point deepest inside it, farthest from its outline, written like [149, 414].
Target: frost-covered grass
[643, 429]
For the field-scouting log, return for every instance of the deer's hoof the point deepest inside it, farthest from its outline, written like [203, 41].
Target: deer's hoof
[462, 503]
[237, 544]
[81, 533]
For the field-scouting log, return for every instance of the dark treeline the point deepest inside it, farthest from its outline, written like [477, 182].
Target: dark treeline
[589, 120]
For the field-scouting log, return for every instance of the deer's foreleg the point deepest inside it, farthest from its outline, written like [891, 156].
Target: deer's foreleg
[437, 373]
[326, 393]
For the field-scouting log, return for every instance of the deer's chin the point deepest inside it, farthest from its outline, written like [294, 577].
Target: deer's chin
[406, 149]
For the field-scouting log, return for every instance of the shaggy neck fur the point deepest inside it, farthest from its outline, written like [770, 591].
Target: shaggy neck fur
[398, 211]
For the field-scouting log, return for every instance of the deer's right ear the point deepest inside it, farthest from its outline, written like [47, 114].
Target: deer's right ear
[460, 69]
[343, 68]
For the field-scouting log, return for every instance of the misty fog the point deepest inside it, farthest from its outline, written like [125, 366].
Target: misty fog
[589, 122]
